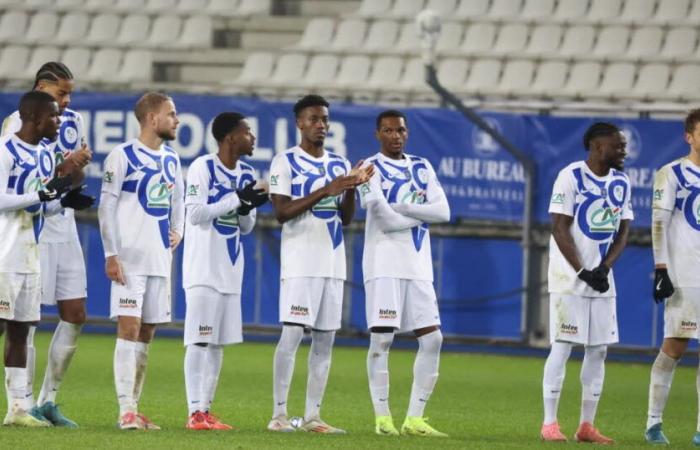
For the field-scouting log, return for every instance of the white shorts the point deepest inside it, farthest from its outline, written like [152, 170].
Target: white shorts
[402, 304]
[582, 320]
[312, 301]
[20, 297]
[62, 272]
[144, 296]
[681, 314]
[212, 317]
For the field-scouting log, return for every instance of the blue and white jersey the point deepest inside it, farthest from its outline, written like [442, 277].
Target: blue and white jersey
[24, 169]
[213, 252]
[401, 254]
[597, 204]
[71, 137]
[677, 189]
[312, 243]
[149, 189]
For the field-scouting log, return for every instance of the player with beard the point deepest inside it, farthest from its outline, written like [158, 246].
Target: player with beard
[141, 217]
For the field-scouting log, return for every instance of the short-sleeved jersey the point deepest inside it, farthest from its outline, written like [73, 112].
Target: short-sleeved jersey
[71, 137]
[402, 254]
[597, 205]
[147, 183]
[213, 251]
[312, 243]
[677, 189]
[24, 168]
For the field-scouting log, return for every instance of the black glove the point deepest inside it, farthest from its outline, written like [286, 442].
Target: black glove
[595, 279]
[250, 198]
[54, 188]
[75, 199]
[663, 288]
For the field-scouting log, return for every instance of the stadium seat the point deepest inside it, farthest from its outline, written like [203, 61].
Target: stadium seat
[512, 39]
[679, 44]
[545, 39]
[444, 8]
[385, 72]
[42, 28]
[13, 25]
[69, 5]
[404, 9]
[353, 71]
[671, 11]
[192, 7]
[517, 76]
[137, 66]
[13, 61]
[257, 66]
[484, 76]
[478, 38]
[578, 40]
[536, 10]
[317, 34]
[223, 8]
[290, 68]
[381, 36]
[584, 77]
[197, 32]
[78, 61]
[165, 32]
[684, 83]
[618, 77]
[104, 64]
[645, 43]
[637, 12]
[39, 56]
[72, 29]
[37, 5]
[130, 6]
[373, 8]
[471, 9]
[603, 11]
[571, 11]
[349, 35]
[252, 7]
[134, 30]
[450, 37]
[321, 69]
[99, 6]
[452, 73]
[549, 77]
[409, 41]
[505, 9]
[612, 41]
[104, 29]
[652, 80]
[160, 6]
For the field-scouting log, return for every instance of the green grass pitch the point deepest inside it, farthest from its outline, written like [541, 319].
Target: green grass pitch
[482, 401]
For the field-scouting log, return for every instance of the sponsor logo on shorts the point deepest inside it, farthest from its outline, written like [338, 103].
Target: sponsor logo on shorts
[127, 303]
[299, 310]
[205, 330]
[688, 325]
[567, 328]
[387, 314]
[5, 306]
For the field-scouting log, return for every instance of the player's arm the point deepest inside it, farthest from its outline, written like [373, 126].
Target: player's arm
[561, 231]
[107, 215]
[347, 203]
[662, 209]
[246, 222]
[435, 210]
[75, 163]
[198, 210]
[177, 210]
[618, 244]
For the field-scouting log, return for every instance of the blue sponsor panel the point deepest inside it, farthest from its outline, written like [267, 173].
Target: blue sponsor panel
[634, 276]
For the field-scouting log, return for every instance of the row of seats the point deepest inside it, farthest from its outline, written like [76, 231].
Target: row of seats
[106, 29]
[507, 39]
[106, 65]
[214, 8]
[394, 77]
[578, 11]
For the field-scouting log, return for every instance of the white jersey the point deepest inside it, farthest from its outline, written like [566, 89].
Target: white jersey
[402, 254]
[24, 168]
[312, 243]
[71, 137]
[597, 204]
[213, 251]
[148, 184]
[677, 189]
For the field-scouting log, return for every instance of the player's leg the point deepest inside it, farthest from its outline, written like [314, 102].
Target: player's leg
[552, 382]
[326, 312]
[31, 367]
[383, 314]
[420, 313]
[197, 334]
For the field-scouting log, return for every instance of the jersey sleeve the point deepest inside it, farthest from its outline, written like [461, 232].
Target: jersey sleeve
[280, 176]
[664, 189]
[114, 172]
[563, 195]
[197, 184]
[80, 125]
[370, 190]
[177, 203]
[434, 191]
[627, 211]
[11, 124]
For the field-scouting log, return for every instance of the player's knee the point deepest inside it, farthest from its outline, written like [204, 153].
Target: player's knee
[75, 317]
[674, 347]
[599, 352]
[431, 342]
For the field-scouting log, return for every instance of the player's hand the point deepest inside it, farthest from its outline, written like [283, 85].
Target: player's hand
[663, 287]
[54, 188]
[250, 197]
[362, 174]
[76, 200]
[594, 280]
[339, 185]
[82, 157]
[175, 239]
[114, 270]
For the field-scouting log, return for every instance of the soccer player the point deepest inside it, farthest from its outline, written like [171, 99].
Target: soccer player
[220, 200]
[26, 165]
[402, 198]
[313, 195]
[62, 264]
[141, 217]
[676, 244]
[591, 212]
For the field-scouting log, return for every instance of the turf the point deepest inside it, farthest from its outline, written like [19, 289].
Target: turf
[482, 401]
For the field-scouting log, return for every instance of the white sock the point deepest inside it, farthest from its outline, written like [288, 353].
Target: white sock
[61, 352]
[592, 376]
[378, 371]
[659, 387]
[125, 374]
[553, 379]
[16, 388]
[195, 364]
[319, 366]
[141, 354]
[215, 356]
[425, 372]
[31, 364]
[283, 367]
